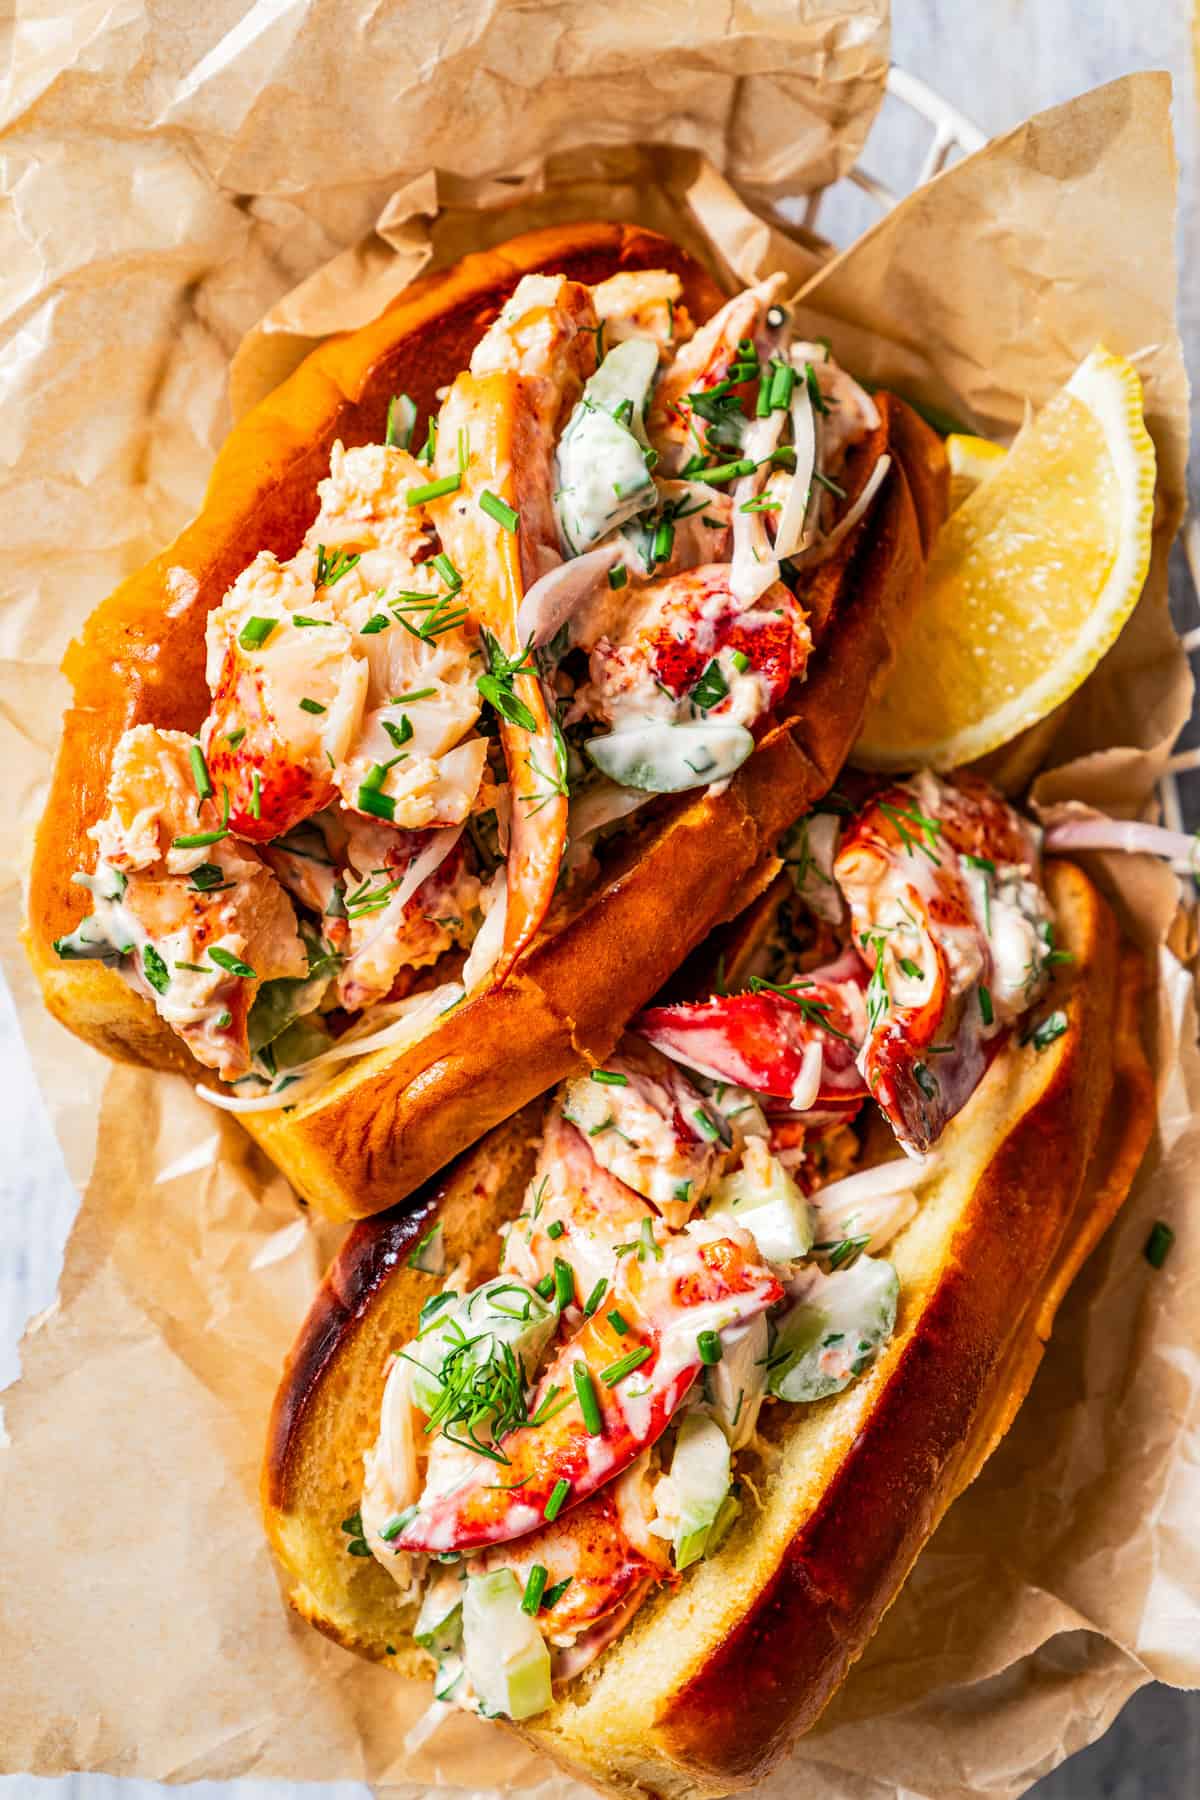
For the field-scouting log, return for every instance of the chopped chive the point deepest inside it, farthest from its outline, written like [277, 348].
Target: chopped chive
[544, 1287]
[554, 1594]
[234, 738]
[618, 576]
[980, 862]
[708, 1343]
[985, 1004]
[399, 734]
[729, 471]
[740, 661]
[433, 490]
[783, 380]
[401, 417]
[255, 632]
[610, 1078]
[206, 876]
[375, 624]
[1158, 1245]
[197, 840]
[564, 1283]
[311, 706]
[499, 510]
[707, 1128]
[913, 970]
[447, 571]
[625, 1365]
[379, 805]
[426, 453]
[595, 1297]
[305, 619]
[192, 968]
[648, 1244]
[396, 1525]
[330, 569]
[256, 795]
[555, 1228]
[411, 699]
[200, 774]
[589, 1406]
[224, 1020]
[554, 1504]
[535, 1587]
[664, 541]
[225, 959]
[619, 1323]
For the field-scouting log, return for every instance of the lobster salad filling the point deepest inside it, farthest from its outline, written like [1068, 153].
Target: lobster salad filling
[581, 588]
[701, 1247]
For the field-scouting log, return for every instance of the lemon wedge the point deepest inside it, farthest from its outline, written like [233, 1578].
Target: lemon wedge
[1030, 580]
[972, 460]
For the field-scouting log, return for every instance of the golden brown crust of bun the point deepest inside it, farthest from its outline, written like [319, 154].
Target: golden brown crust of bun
[384, 1125]
[714, 1679]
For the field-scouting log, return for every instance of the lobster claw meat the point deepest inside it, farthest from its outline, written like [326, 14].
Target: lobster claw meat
[796, 1043]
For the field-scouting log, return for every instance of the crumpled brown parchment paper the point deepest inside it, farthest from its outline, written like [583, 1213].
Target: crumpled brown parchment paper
[141, 1619]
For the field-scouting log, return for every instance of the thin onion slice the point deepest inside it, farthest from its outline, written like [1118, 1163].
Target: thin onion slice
[824, 549]
[1096, 831]
[755, 564]
[808, 1083]
[558, 594]
[789, 534]
[489, 941]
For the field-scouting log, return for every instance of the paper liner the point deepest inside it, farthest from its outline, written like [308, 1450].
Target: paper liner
[172, 185]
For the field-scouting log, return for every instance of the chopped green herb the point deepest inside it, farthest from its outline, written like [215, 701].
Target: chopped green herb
[708, 1343]
[554, 1594]
[330, 569]
[206, 877]
[447, 571]
[711, 688]
[233, 965]
[648, 1244]
[396, 1524]
[544, 1287]
[305, 619]
[255, 632]
[707, 1128]
[589, 1405]
[311, 706]
[155, 969]
[499, 510]
[610, 1078]
[554, 1504]
[985, 1005]
[595, 1297]
[1158, 1245]
[625, 1365]
[619, 1323]
[411, 699]
[234, 738]
[497, 686]
[433, 490]
[375, 624]
[535, 1587]
[200, 774]
[378, 804]
[224, 1020]
[618, 576]
[555, 1228]
[564, 1283]
[256, 795]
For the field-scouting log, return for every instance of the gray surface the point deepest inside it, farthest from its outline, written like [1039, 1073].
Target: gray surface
[997, 60]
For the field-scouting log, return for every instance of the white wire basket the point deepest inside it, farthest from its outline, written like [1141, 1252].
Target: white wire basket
[951, 134]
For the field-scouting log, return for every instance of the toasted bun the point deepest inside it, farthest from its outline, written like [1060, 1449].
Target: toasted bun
[715, 1677]
[386, 1123]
